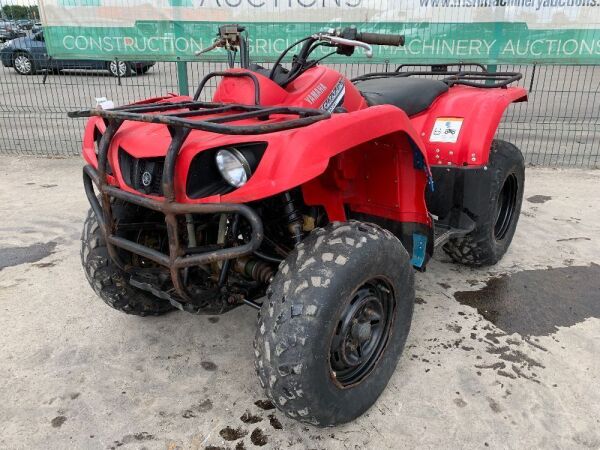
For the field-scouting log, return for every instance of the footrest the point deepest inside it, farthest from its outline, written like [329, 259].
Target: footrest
[204, 302]
[444, 232]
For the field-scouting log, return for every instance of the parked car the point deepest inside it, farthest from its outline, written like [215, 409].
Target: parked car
[36, 28]
[14, 24]
[5, 35]
[25, 24]
[9, 30]
[28, 55]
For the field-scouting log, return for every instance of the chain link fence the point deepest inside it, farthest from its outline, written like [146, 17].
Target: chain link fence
[557, 127]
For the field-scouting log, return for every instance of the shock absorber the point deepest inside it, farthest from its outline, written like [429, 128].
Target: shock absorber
[256, 269]
[293, 216]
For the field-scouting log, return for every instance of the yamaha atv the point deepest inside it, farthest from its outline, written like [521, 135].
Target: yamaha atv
[307, 196]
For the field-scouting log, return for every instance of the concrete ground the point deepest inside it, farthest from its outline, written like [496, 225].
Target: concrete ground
[510, 361]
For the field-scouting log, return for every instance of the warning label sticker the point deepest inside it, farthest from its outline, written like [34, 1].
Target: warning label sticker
[446, 129]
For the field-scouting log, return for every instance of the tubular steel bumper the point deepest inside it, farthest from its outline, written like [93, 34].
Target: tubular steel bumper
[181, 118]
[176, 259]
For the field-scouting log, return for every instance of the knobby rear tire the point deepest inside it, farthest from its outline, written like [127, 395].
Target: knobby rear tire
[494, 230]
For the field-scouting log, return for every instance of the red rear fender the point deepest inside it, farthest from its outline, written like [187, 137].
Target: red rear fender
[459, 127]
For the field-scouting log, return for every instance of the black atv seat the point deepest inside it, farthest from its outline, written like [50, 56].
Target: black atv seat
[412, 95]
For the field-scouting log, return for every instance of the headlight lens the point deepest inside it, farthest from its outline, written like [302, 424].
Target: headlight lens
[234, 166]
[5, 45]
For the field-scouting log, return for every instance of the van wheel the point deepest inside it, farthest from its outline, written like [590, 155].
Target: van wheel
[494, 229]
[334, 323]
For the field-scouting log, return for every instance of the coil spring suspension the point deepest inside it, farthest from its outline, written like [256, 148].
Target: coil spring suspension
[294, 217]
[255, 269]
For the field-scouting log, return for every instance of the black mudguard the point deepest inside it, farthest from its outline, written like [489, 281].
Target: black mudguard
[460, 195]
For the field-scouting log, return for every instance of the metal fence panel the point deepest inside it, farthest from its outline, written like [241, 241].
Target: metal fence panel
[557, 127]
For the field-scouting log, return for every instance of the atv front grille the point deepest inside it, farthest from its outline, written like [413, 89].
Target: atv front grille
[145, 175]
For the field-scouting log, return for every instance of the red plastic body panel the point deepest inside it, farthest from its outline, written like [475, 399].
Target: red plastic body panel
[296, 157]
[241, 90]
[376, 178]
[481, 111]
[364, 158]
[307, 91]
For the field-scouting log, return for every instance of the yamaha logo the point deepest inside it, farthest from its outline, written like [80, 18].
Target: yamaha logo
[146, 179]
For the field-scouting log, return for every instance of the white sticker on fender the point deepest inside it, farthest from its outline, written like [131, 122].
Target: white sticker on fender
[446, 129]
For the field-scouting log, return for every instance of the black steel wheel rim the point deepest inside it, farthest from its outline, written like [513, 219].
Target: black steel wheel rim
[362, 332]
[505, 207]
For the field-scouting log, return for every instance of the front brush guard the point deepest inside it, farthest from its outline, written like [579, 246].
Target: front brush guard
[176, 259]
[181, 118]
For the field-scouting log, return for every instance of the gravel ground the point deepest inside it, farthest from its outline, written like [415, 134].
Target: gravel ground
[503, 357]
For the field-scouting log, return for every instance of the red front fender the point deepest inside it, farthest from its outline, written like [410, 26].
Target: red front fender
[372, 160]
[298, 156]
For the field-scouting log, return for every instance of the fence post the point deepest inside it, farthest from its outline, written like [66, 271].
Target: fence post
[182, 78]
[491, 68]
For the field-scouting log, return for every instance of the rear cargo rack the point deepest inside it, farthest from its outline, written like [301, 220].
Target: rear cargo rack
[181, 118]
[474, 78]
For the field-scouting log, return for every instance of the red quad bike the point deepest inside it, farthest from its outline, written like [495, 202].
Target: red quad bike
[305, 195]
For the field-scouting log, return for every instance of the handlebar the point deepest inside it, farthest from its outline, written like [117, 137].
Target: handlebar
[395, 40]
[340, 41]
[232, 37]
[347, 38]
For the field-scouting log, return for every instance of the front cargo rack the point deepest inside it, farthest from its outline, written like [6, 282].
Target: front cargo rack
[181, 118]
[474, 78]
[171, 114]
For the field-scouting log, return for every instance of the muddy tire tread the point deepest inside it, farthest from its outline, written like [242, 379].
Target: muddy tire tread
[478, 249]
[279, 361]
[111, 283]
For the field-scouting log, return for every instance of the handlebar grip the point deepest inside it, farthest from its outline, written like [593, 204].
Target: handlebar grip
[395, 40]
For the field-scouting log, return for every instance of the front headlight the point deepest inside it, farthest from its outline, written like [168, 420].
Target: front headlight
[234, 166]
[5, 45]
